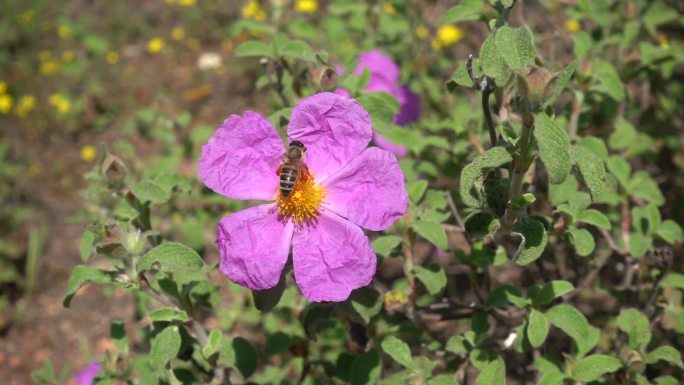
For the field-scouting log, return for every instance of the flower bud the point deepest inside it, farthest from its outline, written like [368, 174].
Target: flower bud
[323, 77]
[535, 87]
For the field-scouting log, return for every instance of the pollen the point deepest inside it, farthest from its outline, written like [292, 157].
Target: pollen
[303, 203]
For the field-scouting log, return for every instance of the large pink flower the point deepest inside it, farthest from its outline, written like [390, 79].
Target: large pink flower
[87, 375]
[350, 186]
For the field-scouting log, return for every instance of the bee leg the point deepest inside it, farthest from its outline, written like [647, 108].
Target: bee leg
[279, 169]
[304, 175]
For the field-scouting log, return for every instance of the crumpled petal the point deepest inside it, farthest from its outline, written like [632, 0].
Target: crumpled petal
[380, 66]
[241, 158]
[369, 191]
[334, 129]
[254, 244]
[409, 106]
[332, 257]
[87, 375]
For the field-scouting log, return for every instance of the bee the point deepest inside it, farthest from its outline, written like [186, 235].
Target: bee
[293, 169]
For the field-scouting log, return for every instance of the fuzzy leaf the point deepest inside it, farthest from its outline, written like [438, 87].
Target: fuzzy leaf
[466, 10]
[593, 367]
[494, 373]
[473, 174]
[493, 65]
[399, 351]
[516, 46]
[620, 169]
[594, 217]
[169, 314]
[385, 244]
[238, 353]
[643, 186]
[82, 275]
[366, 368]
[172, 257]
[582, 240]
[636, 325]
[554, 147]
[537, 328]
[593, 171]
[433, 232]
[149, 191]
[551, 291]
[253, 48]
[363, 304]
[416, 190]
[533, 242]
[433, 278]
[165, 346]
[670, 231]
[86, 245]
[503, 295]
[665, 353]
[575, 325]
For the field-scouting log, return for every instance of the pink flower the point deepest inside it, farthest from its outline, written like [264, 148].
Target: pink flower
[384, 77]
[87, 375]
[350, 186]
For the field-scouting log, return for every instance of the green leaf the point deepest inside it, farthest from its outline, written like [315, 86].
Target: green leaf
[169, 314]
[399, 351]
[559, 82]
[593, 171]
[165, 346]
[594, 217]
[595, 145]
[117, 332]
[593, 367]
[366, 369]
[172, 257]
[466, 10]
[665, 353]
[494, 373]
[493, 65]
[479, 224]
[575, 325]
[433, 277]
[670, 231]
[620, 169]
[666, 380]
[253, 48]
[636, 325]
[380, 106]
[384, 245]
[82, 275]
[458, 345]
[460, 77]
[554, 147]
[149, 191]
[266, 300]
[582, 241]
[582, 43]
[416, 190]
[433, 232]
[442, 379]
[537, 328]
[608, 80]
[86, 245]
[363, 304]
[639, 244]
[643, 186]
[675, 280]
[239, 354]
[533, 242]
[551, 291]
[503, 295]
[297, 49]
[516, 46]
[473, 174]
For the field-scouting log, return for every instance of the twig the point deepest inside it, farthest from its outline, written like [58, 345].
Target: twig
[487, 86]
[454, 210]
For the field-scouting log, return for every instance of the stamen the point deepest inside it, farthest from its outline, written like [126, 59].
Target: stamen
[303, 203]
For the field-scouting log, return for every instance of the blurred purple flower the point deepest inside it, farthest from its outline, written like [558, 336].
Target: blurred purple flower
[384, 77]
[350, 186]
[87, 375]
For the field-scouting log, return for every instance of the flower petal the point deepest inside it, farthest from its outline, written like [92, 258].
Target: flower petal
[380, 66]
[334, 129]
[409, 109]
[254, 244]
[87, 375]
[369, 191]
[331, 258]
[241, 158]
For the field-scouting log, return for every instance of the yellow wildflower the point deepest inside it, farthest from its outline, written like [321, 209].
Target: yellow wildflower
[6, 102]
[422, 32]
[572, 26]
[64, 32]
[177, 33]
[663, 41]
[3, 87]
[112, 57]
[49, 67]
[306, 6]
[88, 153]
[68, 56]
[252, 10]
[187, 3]
[155, 45]
[389, 8]
[447, 35]
[25, 104]
[61, 104]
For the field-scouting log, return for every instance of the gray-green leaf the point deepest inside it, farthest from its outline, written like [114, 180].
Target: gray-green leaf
[493, 374]
[516, 46]
[534, 239]
[537, 328]
[172, 257]
[473, 174]
[554, 147]
[165, 347]
[433, 232]
[582, 240]
[593, 367]
[665, 353]
[433, 277]
[594, 217]
[636, 325]
[593, 171]
[399, 351]
[82, 275]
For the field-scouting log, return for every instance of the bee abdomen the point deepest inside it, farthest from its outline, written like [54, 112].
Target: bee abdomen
[288, 179]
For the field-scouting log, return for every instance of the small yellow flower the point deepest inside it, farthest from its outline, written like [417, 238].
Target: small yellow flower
[187, 3]
[663, 41]
[572, 26]
[112, 57]
[68, 56]
[389, 8]
[64, 32]
[88, 153]
[25, 104]
[306, 6]
[3, 87]
[61, 104]
[49, 67]
[6, 102]
[252, 10]
[155, 45]
[177, 33]
[447, 35]
[422, 32]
